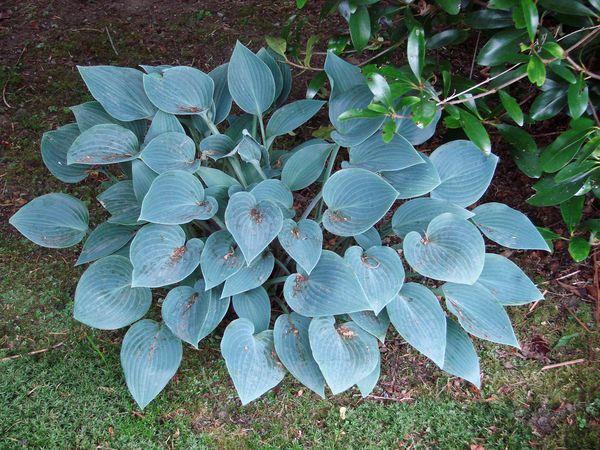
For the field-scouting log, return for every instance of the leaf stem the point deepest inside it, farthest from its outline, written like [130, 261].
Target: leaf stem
[312, 205]
[237, 168]
[213, 128]
[328, 171]
[277, 280]
[282, 266]
[262, 130]
[219, 222]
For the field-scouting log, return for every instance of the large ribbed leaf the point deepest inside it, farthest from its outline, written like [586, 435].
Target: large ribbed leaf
[55, 145]
[376, 155]
[249, 149]
[171, 151]
[330, 289]
[406, 128]
[414, 181]
[52, 220]
[342, 75]
[250, 360]
[416, 214]
[291, 116]
[217, 146]
[161, 256]
[508, 227]
[357, 199]
[464, 170]
[368, 239]
[418, 317]
[221, 97]
[177, 197]
[215, 177]
[275, 191]
[479, 313]
[460, 358]
[192, 313]
[150, 356]
[142, 177]
[252, 224]
[303, 241]
[163, 122]
[103, 144]
[379, 271]
[377, 325]
[305, 165]
[255, 306]
[368, 383]
[293, 349]
[250, 81]
[269, 60]
[92, 113]
[251, 276]
[121, 202]
[450, 250]
[180, 90]
[345, 353]
[119, 90]
[106, 239]
[104, 297]
[221, 258]
[507, 282]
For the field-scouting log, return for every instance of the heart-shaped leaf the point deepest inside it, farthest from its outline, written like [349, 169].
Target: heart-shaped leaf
[330, 289]
[414, 181]
[379, 271]
[170, 151]
[163, 122]
[368, 239]
[89, 114]
[357, 199]
[250, 360]
[217, 146]
[121, 202]
[418, 317]
[104, 297]
[150, 356]
[292, 345]
[52, 220]
[342, 75]
[460, 358]
[221, 258]
[416, 214]
[375, 324]
[305, 165]
[255, 306]
[376, 155]
[161, 256]
[303, 241]
[251, 276]
[291, 116]
[192, 313]
[177, 197]
[103, 144]
[106, 239]
[221, 97]
[55, 145]
[406, 128]
[368, 383]
[275, 191]
[345, 353]
[450, 250]
[252, 224]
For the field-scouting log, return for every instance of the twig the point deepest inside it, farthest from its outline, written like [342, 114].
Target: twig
[561, 278]
[562, 364]
[381, 53]
[597, 286]
[112, 44]
[582, 68]
[35, 352]
[594, 113]
[585, 327]
[391, 399]
[474, 55]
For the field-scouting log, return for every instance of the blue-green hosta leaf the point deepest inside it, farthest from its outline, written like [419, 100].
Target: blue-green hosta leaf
[216, 177]
[252, 224]
[55, 145]
[379, 271]
[330, 289]
[345, 353]
[142, 177]
[418, 317]
[266, 57]
[416, 214]
[291, 116]
[479, 313]
[255, 306]
[155, 69]
[161, 256]
[250, 81]
[303, 241]
[177, 197]
[507, 282]
[375, 324]
[464, 170]
[249, 150]
[460, 358]
[357, 199]
[368, 238]
[119, 90]
[275, 191]
[92, 113]
[170, 151]
[250, 360]
[414, 181]
[120, 201]
[376, 155]
[251, 276]
[406, 128]
[163, 122]
[353, 131]
[106, 239]
[52, 220]
[342, 75]
[192, 313]
[368, 383]
[221, 258]
[451, 249]
[508, 227]
[103, 144]
[180, 90]
[286, 77]
[222, 97]
[305, 165]
[104, 297]
[292, 345]
[217, 146]
[150, 356]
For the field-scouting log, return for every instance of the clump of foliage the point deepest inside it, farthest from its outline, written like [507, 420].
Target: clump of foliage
[201, 209]
[535, 53]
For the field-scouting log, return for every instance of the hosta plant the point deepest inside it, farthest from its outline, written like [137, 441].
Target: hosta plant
[202, 217]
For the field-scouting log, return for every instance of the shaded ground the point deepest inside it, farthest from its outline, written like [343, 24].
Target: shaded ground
[74, 395]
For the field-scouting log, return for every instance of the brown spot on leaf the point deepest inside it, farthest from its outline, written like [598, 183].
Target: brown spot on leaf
[256, 215]
[345, 332]
[178, 253]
